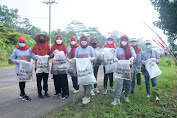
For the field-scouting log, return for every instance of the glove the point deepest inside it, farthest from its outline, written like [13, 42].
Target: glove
[143, 62]
[36, 56]
[131, 59]
[18, 61]
[115, 60]
[55, 51]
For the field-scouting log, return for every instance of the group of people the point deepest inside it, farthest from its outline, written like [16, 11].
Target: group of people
[86, 49]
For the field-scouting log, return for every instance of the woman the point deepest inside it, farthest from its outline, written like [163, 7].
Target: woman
[136, 64]
[60, 76]
[124, 52]
[21, 52]
[93, 43]
[109, 44]
[71, 53]
[147, 54]
[41, 48]
[85, 51]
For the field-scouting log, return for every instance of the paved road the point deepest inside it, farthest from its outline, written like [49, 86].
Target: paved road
[12, 107]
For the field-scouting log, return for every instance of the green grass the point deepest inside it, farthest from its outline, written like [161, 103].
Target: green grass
[140, 106]
[4, 63]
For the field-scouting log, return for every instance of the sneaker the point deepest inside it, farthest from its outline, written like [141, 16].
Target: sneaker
[26, 98]
[148, 96]
[40, 96]
[86, 100]
[104, 91]
[96, 90]
[75, 91]
[56, 94]
[126, 99]
[72, 89]
[123, 91]
[20, 96]
[157, 98]
[63, 97]
[66, 96]
[116, 101]
[92, 92]
[111, 89]
[46, 94]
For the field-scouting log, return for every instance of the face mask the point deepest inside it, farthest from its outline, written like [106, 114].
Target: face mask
[83, 43]
[94, 44]
[41, 40]
[59, 41]
[110, 42]
[22, 44]
[73, 42]
[148, 46]
[124, 43]
[133, 43]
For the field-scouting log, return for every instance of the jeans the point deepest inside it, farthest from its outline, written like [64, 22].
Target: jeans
[87, 89]
[147, 83]
[75, 82]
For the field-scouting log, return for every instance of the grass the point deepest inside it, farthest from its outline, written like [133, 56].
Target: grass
[140, 106]
[4, 63]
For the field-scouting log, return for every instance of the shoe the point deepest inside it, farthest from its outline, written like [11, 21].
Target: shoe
[40, 96]
[111, 89]
[96, 90]
[86, 100]
[157, 98]
[126, 99]
[46, 94]
[92, 92]
[116, 101]
[56, 94]
[75, 91]
[72, 89]
[66, 96]
[104, 91]
[26, 98]
[20, 96]
[63, 97]
[148, 96]
[123, 91]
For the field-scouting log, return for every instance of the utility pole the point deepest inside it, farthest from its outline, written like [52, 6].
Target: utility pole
[49, 3]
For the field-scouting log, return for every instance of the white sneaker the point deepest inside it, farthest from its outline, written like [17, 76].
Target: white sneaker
[92, 92]
[111, 89]
[126, 99]
[75, 91]
[104, 91]
[20, 96]
[96, 90]
[86, 100]
[72, 89]
[148, 96]
[116, 101]
[157, 99]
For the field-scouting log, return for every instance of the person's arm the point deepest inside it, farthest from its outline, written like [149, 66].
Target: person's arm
[133, 55]
[76, 53]
[14, 57]
[138, 60]
[92, 52]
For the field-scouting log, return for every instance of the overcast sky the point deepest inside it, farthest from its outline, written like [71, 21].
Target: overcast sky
[125, 16]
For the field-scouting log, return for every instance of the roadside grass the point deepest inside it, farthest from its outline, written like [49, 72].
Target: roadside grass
[4, 63]
[140, 106]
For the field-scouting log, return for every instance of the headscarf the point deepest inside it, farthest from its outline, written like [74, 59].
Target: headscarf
[126, 47]
[84, 46]
[73, 47]
[91, 42]
[110, 45]
[22, 48]
[136, 48]
[41, 49]
[60, 47]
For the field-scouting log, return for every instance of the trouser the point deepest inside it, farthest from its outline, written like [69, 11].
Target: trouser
[106, 76]
[120, 86]
[95, 71]
[61, 84]
[87, 89]
[147, 83]
[133, 82]
[75, 82]
[22, 88]
[44, 77]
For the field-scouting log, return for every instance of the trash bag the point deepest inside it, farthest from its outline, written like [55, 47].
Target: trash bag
[72, 67]
[42, 64]
[25, 71]
[98, 58]
[85, 71]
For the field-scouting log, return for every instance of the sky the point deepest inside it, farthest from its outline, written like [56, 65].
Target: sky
[126, 16]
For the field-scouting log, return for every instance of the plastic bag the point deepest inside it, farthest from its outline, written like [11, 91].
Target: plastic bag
[98, 58]
[72, 67]
[152, 68]
[42, 64]
[25, 72]
[85, 71]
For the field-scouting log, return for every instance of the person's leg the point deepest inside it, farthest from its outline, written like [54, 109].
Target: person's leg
[84, 86]
[65, 87]
[55, 79]
[22, 88]
[75, 85]
[133, 83]
[119, 88]
[76, 81]
[73, 81]
[88, 89]
[154, 82]
[127, 87]
[111, 79]
[105, 79]
[147, 83]
[39, 79]
[95, 74]
[45, 84]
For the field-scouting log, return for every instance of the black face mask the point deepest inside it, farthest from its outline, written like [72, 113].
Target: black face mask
[94, 44]
[41, 40]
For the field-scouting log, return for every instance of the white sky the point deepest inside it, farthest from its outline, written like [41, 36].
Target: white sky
[122, 15]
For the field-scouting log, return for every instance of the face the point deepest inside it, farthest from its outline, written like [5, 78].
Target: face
[109, 39]
[41, 37]
[94, 40]
[72, 39]
[83, 39]
[58, 38]
[21, 42]
[125, 39]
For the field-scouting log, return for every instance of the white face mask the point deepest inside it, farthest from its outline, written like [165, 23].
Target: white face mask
[133, 43]
[73, 42]
[110, 42]
[22, 44]
[59, 41]
[84, 43]
[148, 46]
[124, 43]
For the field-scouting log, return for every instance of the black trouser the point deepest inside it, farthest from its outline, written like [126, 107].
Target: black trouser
[44, 77]
[106, 76]
[22, 87]
[95, 71]
[75, 82]
[61, 84]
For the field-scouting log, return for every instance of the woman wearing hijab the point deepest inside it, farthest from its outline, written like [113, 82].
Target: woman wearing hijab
[71, 53]
[85, 51]
[21, 52]
[136, 63]
[110, 44]
[148, 54]
[124, 52]
[60, 76]
[41, 48]
[93, 43]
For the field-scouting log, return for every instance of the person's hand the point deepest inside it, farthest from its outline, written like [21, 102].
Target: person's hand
[18, 61]
[36, 56]
[55, 51]
[137, 70]
[143, 62]
[157, 61]
[131, 59]
[115, 60]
